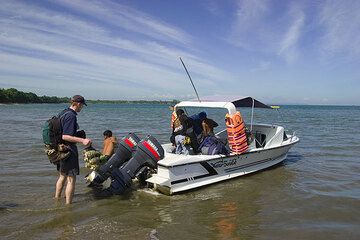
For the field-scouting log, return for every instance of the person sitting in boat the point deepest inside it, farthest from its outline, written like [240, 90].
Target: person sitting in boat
[210, 144]
[176, 127]
[184, 136]
[197, 122]
[208, 126]
[203, 126]
[173, 116]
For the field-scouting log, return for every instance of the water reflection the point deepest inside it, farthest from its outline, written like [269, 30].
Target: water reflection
[226, 224]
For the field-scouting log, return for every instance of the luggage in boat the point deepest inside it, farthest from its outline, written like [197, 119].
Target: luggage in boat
[211, 145]
[236, 133]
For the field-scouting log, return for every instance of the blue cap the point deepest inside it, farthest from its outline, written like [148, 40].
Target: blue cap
[202, 115]
[79, 99]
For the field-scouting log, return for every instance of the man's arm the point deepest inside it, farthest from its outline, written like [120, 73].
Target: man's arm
[73, 139]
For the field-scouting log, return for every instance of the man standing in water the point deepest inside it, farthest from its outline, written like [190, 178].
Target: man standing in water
[69, 168]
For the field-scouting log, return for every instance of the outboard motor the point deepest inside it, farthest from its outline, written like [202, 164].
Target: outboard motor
[123, 153]
[148, 153]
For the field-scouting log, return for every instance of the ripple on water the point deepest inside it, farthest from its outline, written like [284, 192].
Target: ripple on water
[313, 194]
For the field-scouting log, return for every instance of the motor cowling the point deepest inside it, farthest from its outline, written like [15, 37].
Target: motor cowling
[123, 153]
[148, 153]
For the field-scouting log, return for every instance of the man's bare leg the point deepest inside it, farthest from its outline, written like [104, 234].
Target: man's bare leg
[59, 185]
[70, 189]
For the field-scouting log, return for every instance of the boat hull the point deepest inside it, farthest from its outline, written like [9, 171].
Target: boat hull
[183, 177]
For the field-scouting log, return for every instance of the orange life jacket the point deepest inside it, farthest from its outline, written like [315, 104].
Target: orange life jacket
[236, 133]
[173, 119]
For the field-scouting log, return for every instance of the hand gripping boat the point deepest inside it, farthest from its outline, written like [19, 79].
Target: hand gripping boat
[268, 146]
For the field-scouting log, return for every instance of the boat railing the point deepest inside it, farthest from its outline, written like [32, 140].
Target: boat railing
[293, 134]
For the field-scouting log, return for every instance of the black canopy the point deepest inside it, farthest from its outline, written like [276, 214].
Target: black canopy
[236, 100]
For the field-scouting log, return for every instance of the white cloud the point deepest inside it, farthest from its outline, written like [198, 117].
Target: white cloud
[291, 28]
[262, 66]
[213, 7]
[113, 51]
[121, 16]
[37, 45]
[248, 30]
[262, 26]
[289, 44]
[341, 22]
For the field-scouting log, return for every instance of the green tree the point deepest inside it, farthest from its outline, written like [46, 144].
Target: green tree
[12, 95]
[3, 96]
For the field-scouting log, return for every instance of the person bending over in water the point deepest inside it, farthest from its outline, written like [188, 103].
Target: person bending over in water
[109, 144]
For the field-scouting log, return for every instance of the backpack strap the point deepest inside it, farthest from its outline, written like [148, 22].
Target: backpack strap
[63, 112]
[59, 121]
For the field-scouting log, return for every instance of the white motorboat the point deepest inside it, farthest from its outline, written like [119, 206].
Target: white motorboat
[177, 172]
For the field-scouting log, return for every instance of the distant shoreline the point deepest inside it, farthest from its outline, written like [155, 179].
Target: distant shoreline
[14, 96]
[170, 103]
[173, 102]
[98, 102]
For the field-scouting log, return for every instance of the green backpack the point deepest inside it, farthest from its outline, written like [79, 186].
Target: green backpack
[52, 138]
[52, 130]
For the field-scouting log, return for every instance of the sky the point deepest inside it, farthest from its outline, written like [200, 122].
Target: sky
[279, 52]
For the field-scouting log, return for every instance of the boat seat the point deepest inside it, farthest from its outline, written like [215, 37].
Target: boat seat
[260, 139]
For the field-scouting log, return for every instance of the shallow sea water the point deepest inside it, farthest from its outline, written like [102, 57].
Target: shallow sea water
[313, 194]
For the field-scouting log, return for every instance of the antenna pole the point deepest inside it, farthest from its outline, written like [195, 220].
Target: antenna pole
[190, 79]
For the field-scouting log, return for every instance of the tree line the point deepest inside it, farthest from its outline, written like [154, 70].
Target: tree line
[166, 102]
[12, 95]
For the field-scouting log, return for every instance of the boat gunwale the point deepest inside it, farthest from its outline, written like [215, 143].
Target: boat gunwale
[179, 181]
[234, 155]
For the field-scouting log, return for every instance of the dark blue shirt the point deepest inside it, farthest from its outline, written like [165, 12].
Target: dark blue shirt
[69, 122]
[69, 126]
